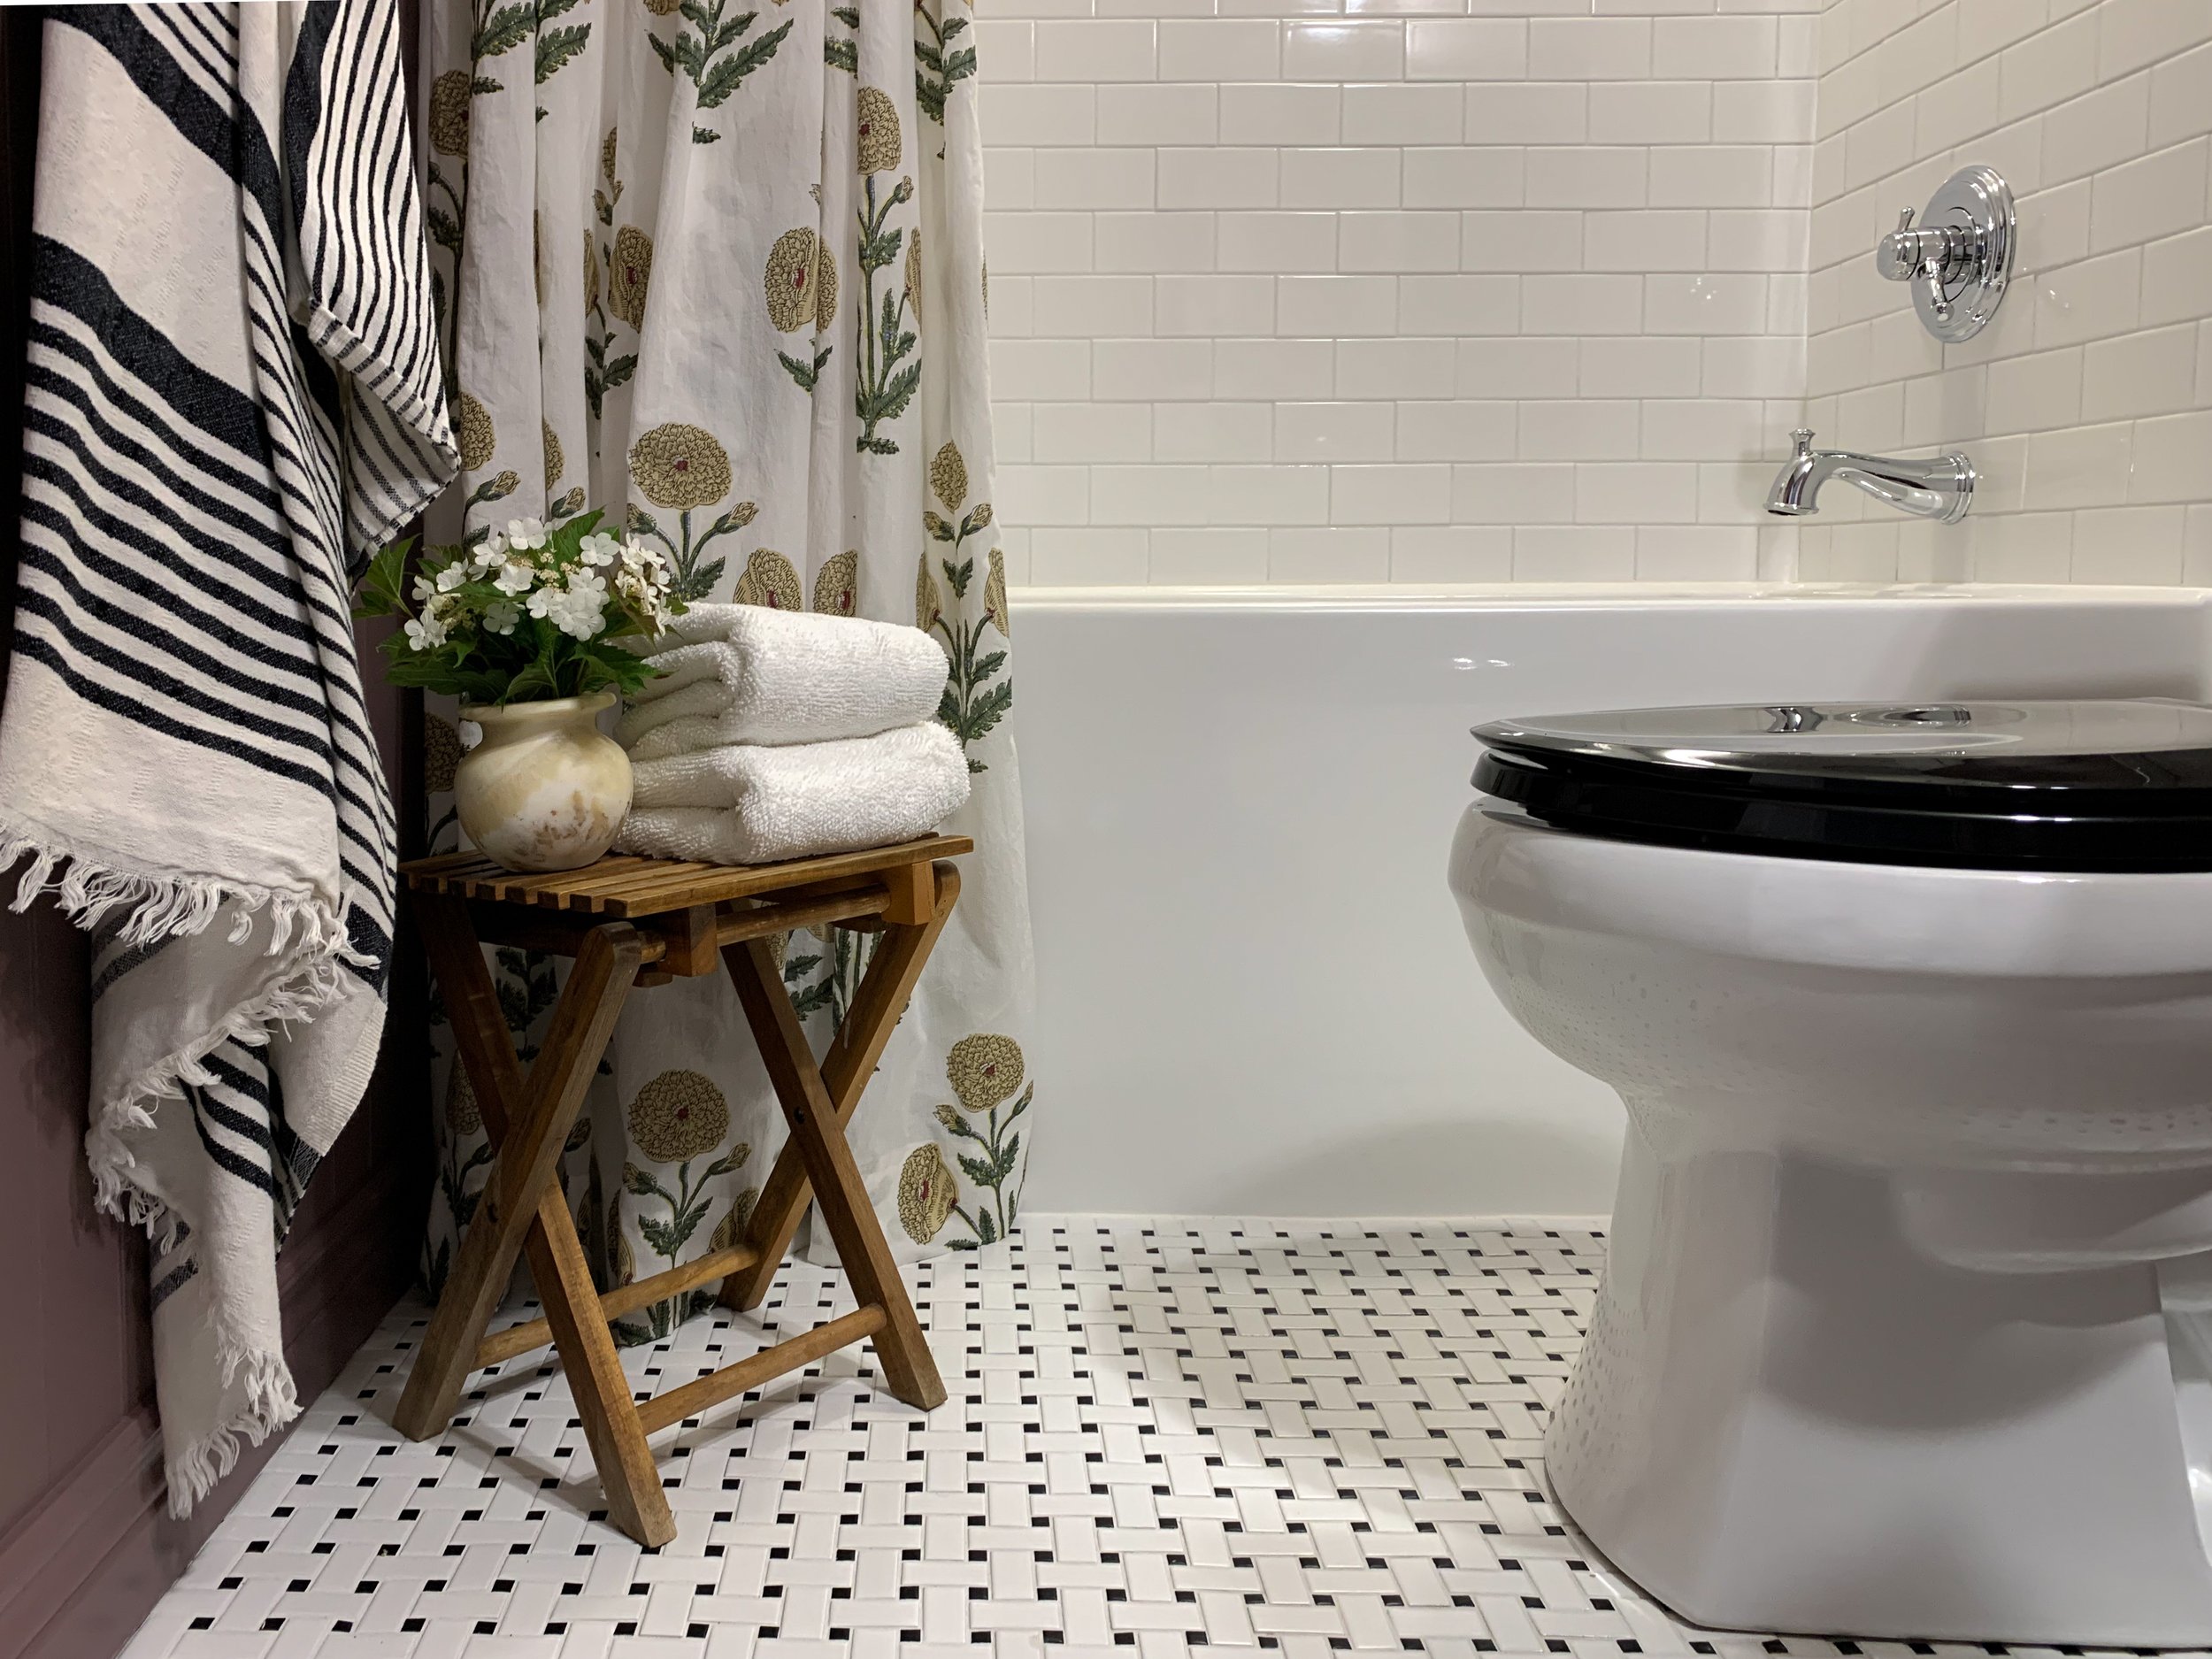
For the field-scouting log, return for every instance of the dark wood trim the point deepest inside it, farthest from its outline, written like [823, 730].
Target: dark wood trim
[79, 1574]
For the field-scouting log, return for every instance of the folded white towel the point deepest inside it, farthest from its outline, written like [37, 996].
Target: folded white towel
[754, 674]
[752, 804]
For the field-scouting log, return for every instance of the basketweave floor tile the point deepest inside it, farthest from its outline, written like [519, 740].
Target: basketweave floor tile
[1164, 1435]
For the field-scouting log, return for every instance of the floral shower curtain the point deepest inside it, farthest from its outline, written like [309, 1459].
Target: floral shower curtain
[719, 272]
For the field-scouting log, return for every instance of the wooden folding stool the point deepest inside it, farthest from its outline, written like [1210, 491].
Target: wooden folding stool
[644, 921]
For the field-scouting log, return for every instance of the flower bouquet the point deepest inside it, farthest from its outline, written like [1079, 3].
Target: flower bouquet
[525, 628]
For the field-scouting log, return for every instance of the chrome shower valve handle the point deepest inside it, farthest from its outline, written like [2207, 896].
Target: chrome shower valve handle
[1959, 258]
[1924, 258]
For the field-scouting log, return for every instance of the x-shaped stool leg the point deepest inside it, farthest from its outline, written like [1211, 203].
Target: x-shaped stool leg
[522, 1207]
[817, 1103]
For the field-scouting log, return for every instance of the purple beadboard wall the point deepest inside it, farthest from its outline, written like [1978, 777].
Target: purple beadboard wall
[85, 1545]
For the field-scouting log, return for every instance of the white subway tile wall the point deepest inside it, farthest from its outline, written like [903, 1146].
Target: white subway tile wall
[2088, 403]
[1441, 291]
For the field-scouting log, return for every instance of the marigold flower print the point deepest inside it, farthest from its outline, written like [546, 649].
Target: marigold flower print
[681, 466]
[995, 594]
[472, 427]
[449, 96]
[789, 280]
[948, 476]
[929, 604]
[882, 147]
[769, 580]
[984, 1070]
[440, 753]
[630, 275]
[679, 1115]
[463, 1116]
[731, 1229]
[837, 585]
[926, 1193]
[825, 288]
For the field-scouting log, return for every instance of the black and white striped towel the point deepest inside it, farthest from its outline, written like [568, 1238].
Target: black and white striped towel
[233, 395]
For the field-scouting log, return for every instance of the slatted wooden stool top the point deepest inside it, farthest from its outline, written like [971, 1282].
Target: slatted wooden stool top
[628, 887]
[643, 921]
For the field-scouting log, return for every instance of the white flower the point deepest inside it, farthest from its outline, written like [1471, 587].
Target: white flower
[452, 576]
[490, 550]
[427, 632]
[599, 548]
[577, 609]
[501, 616]
[424, 590]
[516, 576]
[526, 532]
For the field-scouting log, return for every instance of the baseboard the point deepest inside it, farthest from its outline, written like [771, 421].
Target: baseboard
[90, 1562]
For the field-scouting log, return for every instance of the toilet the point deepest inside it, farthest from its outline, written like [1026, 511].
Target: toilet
[1905, 1329]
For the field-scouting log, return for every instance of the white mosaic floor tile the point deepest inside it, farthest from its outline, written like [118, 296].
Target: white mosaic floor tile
[1164, 1436]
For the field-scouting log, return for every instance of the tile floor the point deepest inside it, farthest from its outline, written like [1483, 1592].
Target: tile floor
[1164, 1435]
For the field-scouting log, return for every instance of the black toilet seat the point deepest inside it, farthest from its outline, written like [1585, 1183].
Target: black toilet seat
[2118, 785]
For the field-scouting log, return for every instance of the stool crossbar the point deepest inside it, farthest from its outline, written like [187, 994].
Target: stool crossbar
[631, 922]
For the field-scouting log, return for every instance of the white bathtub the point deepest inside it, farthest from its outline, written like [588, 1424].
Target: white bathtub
[1255, 996]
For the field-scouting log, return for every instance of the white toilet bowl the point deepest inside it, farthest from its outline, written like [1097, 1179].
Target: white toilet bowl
[1906, 1326]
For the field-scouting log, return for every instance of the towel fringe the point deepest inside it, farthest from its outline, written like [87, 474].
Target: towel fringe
[272, 1402]
[308, 935]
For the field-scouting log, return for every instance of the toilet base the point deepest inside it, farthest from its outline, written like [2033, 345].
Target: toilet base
[1792, 1416]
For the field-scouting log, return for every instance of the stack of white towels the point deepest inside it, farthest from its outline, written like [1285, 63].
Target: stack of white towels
[771, 734]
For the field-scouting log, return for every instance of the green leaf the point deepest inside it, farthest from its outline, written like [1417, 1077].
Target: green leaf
[806, 374]
[550, 9]
[664, 52]
[681, 1229]
[445, 230]
[892, 401]
[986, 712]
[536, 680]
[484, 83]
[979, 1170]
[383, 583]
[843, 55]
[985, 1229]
[704, 136]
[960, 1244]
[723, 79]
[555, 47]
[729, 32]
[505, 30]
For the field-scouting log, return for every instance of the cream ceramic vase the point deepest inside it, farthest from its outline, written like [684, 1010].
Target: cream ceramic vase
[545, 789]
